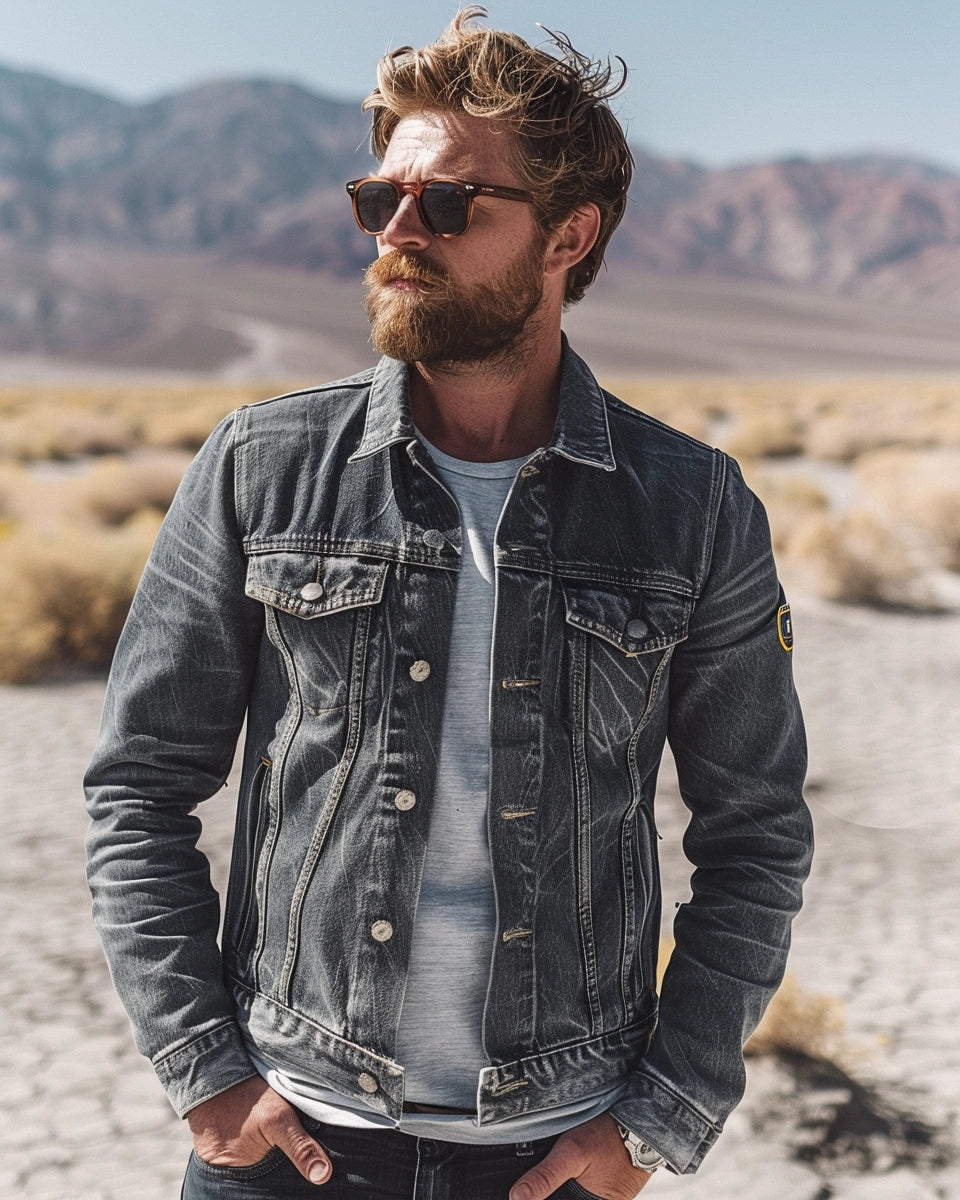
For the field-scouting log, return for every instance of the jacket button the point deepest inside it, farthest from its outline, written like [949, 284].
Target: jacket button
[405, 800]
[368, 1083]
[382, 931]
[528, 470]
[433, 538]
[637, 628]
[311, 591]
[420, 670]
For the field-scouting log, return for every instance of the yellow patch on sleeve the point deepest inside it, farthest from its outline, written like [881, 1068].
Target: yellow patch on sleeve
[785, 626]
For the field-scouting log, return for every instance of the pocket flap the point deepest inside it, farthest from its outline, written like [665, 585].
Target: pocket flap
[310, 585]
[635, 620]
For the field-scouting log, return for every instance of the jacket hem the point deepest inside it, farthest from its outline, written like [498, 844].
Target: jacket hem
[534, 1083]
[563, 1074]
[292, 1040]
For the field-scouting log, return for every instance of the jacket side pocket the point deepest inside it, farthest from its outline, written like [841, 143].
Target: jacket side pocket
[252, 822]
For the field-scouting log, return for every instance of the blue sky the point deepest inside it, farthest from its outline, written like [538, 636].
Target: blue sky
[718, 81]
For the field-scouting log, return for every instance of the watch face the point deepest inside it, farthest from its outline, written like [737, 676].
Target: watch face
[641, 1155]
[645, 1156]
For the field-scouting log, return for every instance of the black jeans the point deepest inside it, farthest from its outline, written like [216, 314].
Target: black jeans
[377, 1165]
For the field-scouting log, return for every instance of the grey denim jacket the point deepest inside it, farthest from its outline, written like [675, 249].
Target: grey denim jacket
[304, 581]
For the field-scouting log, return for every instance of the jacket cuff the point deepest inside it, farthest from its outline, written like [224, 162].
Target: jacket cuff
[203, 1068]
[658, 1115]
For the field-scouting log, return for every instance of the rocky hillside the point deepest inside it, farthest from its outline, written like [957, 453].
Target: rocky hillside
[206, 167]
[868, 223]
[253, 170]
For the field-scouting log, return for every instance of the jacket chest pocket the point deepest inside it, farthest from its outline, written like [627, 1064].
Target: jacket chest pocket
[619, 641]
[320, 611]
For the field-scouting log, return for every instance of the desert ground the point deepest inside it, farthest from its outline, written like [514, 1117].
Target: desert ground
[854, 1088]
[864, 1106]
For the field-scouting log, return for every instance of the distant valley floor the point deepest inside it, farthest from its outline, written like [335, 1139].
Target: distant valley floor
[117, 312]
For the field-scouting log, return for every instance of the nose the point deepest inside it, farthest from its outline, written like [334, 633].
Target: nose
[405, 230]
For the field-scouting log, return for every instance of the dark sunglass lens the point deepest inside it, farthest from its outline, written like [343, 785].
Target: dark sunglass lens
[376, 204]
[445, 207]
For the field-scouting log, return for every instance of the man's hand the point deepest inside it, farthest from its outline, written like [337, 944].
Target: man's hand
[594, 1155]
[240, 1126]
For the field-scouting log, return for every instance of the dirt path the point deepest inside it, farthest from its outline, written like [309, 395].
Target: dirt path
[82, 1118]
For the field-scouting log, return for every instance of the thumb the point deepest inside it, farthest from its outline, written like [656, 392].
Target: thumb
[543, 1180]
[306, 1154]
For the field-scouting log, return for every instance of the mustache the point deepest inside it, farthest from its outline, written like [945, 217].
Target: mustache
[402, 264]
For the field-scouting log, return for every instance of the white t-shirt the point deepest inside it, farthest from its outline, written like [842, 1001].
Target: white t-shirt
[440, 1037]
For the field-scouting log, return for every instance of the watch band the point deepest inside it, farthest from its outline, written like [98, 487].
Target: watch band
[642, 1155]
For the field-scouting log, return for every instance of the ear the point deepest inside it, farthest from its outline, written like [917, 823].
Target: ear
[572, 240]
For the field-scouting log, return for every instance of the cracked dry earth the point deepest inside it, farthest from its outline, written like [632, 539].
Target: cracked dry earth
[83, 1118]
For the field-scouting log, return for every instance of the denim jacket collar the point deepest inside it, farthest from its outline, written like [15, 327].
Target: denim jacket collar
[581, 434]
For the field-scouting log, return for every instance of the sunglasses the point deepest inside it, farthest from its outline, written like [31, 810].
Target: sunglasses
[445, 206]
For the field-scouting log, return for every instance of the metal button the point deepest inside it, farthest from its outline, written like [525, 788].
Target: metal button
[382, 931]
[311, 591]
[637, 628]
[528, 470]
[420, 670]
[405, 800]
[433, 538]
[368, 1083]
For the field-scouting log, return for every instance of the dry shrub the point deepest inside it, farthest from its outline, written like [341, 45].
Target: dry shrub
[692, 406]
[39, 499]
[788, 499]
[859, 558]
[844, 436]
[800, 1022]
[74, 536]
[697, 423]
[56, 433]
[795, 1020]
[65, 597]
[855, 417]
[10, 479]
[836, 420]
[186, 424]
[946, 424]
[919, 490]
[880, 553]
[117, 488]
[56, 422]
[764, 434]
[898, 539]
[663, 957]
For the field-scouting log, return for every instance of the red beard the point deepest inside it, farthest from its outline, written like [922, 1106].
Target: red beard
[443, 322]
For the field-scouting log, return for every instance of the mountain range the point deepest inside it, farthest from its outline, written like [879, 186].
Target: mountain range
[244, 175]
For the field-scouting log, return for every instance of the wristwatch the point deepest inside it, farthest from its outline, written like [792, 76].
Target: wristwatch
[641, 1154]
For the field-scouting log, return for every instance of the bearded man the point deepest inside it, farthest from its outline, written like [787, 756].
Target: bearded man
[461, 601]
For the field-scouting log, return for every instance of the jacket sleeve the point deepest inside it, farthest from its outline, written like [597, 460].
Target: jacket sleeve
[737, 737]
[174, 708]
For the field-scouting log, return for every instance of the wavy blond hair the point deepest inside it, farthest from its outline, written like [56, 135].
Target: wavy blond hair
[569, 147]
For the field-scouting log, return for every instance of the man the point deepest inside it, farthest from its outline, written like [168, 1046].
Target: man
[460, 600]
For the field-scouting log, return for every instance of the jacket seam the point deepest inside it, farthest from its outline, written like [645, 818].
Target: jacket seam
[239, 470]
[356, 382]
[622, 409]
[718, 483]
